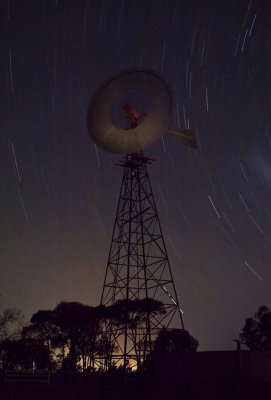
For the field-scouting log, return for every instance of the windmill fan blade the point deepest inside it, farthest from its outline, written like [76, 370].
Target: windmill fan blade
[184, 135]
[110, 137]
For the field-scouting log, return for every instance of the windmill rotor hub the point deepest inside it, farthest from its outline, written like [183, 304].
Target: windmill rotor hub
[144, 92]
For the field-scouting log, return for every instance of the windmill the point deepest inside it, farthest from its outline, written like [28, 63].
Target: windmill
[125, 116]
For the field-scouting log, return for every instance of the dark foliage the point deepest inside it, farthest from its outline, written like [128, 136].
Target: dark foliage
[10, 324]
[175, 341]
[133, 312]
[77, 323]
[70, 336]
[256, 334]
[21, 353]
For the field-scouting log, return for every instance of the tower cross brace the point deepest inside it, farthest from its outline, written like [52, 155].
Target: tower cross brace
[138, 271]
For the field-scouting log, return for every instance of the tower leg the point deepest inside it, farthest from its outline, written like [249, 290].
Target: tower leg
[138, 287]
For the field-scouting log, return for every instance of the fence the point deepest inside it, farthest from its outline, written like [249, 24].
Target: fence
[27, 377]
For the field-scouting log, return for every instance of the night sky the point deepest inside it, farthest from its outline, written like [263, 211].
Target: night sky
[58, 192]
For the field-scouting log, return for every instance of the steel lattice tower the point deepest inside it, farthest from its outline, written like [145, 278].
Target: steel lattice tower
[138, 265]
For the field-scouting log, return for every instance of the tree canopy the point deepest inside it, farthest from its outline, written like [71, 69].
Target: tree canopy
[10, 323]
[72, 335]
[175, 341]
[256, 334]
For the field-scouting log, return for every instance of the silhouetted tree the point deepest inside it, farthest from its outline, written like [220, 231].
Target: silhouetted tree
[133, 312]
[27, 354]
[10, 328]
[175, 341]
[136, 315]
[104, 349]
[169, 342]
[14, 355]
[77, 323]
[68, 333]
[10, 324]
[256, 334]
[38, 341]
